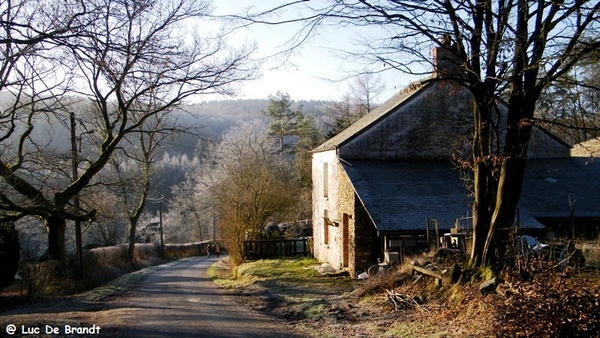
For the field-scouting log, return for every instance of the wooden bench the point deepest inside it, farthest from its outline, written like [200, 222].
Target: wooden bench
[425, 271]
[447, 277]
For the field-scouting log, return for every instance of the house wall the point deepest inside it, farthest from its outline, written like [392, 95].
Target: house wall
[367, 243]
[543, 145]
[345, 204]
[326, 250]
[361, 243]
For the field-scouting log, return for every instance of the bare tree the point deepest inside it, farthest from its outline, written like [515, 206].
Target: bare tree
[132, 60]
[359, 101]
[134, 181]
[365, 90]
[190, 209]
[249, 185]
[516, 48]
[570, 106]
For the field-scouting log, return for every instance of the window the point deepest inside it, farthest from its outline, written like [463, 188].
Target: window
[345, 240]
[325, 180]
[326, 222]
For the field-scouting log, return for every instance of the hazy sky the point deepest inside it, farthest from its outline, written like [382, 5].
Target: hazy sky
[311, 72]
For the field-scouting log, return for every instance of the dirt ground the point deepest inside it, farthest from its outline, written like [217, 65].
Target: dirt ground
[341, 313]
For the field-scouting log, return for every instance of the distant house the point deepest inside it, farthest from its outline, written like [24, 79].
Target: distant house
[378, 184]
[589, 148]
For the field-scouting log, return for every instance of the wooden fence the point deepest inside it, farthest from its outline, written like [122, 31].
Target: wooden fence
[277, 248]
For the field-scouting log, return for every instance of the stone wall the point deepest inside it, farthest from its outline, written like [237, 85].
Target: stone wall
[346, 205]
[325, 212]
[587, 149]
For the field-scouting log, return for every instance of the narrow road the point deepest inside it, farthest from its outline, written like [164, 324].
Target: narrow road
[182, 301]
[177, 300]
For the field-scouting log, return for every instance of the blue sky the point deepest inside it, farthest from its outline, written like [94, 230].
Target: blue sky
[313, 71]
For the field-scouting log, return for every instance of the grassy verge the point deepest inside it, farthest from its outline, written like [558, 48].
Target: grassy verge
[290, 288]
[298, 271]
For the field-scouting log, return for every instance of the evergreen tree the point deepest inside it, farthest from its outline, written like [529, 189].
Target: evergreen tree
[285, 121]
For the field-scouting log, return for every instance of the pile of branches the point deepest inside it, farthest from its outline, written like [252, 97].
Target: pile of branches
[552, 305]
[402, 301]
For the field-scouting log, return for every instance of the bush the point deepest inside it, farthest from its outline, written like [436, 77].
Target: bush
[177, 251]
[9, 253]
[101, 265]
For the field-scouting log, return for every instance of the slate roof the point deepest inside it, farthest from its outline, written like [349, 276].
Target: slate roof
[550, 182]
[400, 195]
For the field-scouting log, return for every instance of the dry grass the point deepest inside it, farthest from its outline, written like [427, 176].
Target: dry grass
[547, 304]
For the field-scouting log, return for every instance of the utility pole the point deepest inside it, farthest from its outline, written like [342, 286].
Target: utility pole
[75, 163]
[214, 227]
[160, 222]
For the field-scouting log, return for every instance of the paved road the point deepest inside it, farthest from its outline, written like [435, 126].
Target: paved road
[182, 301]
[177, 300]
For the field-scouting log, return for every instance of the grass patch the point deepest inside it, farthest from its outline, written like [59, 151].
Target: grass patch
[314, 310]
[295, 287]
[276, 271]
[281, 269]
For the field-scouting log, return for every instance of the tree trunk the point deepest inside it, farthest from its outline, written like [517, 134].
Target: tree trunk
[483, 181]
[131, 246]
[133, 220]
[56, 226]
[482, 214]
[9, 253]
[512, 174]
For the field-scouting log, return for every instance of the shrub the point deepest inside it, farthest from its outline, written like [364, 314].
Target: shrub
[9, 253]
[100, 265]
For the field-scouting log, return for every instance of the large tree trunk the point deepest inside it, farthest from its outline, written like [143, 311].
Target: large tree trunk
[9, 253]
[56, 226]
[509, 190]
[483, 181]
[512, 174]
[133, 221]
[135, 217]
[482, 214]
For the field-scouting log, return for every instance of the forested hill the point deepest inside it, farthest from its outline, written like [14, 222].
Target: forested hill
[213, 118]
[208, 120]
[219, 116]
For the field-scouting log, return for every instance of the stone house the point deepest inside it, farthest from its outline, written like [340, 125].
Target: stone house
[381, 182]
